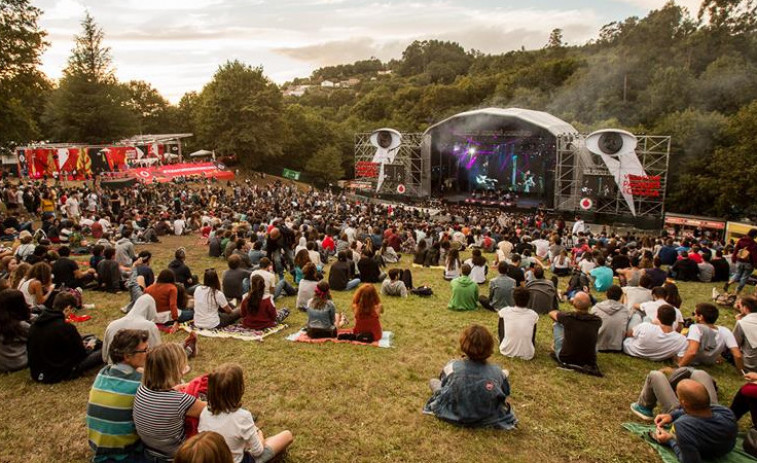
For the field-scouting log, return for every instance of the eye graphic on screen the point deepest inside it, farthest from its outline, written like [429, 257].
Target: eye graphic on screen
[611, 142]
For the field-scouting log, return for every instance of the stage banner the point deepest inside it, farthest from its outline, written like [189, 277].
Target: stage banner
[291, 174]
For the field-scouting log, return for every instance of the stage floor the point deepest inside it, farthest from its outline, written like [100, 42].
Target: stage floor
[521, 203]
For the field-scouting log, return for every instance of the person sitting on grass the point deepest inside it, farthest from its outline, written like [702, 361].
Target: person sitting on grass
[323, 320]
[699, 428]
[211, 309]
[517, 326]
[393, 286]
[166, 296]
[110, 421]
[656, 340]
[500, 290]
[707, 341]
[225, 415]
[479, 267]
[14, 330]
[575, 336]
[204, 447]
[257, 310]
[543, 292]
[342, 273]
[367, 308]
[464, 291]
[614, 317]
[234, 278]
[745, 331]
[56, 350]
[160, 406]
[660, 388]
[306, 288]
[140, 317]
[472, 392]
[109, 272]
[601, 275]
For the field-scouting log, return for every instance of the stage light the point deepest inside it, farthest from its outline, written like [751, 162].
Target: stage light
[471, 150]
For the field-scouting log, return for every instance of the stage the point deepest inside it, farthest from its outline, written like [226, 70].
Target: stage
[520, 204]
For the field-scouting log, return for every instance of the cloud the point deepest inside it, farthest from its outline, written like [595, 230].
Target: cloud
[646, 5]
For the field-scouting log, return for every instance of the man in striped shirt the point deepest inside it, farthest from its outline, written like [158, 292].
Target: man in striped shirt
[110, 423]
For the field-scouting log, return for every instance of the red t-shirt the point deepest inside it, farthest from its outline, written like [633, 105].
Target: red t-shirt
[368, 324]
[264, 318]
[97, 230]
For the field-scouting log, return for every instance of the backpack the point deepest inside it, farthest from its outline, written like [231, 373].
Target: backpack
[423, 291]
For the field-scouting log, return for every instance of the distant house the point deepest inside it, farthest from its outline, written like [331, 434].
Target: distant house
[349, 82]
[385, 73]
[297, 90]
[328, 84]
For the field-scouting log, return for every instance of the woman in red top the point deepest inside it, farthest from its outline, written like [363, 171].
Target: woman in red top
[367, 308]
[258, 312]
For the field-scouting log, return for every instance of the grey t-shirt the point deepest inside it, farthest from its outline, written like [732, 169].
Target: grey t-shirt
[501, 292]
[749, 352]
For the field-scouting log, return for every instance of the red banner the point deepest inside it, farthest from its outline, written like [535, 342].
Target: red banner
[366, 169]
[642, 185]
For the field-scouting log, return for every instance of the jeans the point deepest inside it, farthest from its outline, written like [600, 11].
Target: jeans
[745, 401]
[657, 389]
[352, 284]
[743, 272]
[285, 287]
[186, 315]
[558, 334]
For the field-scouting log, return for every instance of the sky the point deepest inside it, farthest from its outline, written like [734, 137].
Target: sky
[177, 45]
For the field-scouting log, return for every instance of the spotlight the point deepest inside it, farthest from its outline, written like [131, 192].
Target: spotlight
[471, 150]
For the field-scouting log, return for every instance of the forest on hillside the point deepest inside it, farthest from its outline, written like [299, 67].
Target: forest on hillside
[690, 75]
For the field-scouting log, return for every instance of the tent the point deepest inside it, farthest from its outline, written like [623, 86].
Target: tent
[201, 153]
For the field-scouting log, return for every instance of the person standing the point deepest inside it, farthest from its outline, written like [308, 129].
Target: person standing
[745, 257]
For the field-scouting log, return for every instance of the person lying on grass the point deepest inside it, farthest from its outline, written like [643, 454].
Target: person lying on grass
[225, 415]
[471, 392]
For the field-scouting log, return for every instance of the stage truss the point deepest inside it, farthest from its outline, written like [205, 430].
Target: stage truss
[413, 158]
[574, 162]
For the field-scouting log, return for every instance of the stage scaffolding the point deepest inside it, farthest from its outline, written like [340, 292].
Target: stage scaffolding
[413, 155]
[574, 162]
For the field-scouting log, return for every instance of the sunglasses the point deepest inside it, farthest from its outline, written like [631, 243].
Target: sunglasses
[143, 351]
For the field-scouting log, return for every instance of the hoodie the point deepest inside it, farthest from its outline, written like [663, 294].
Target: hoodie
[140, 317]
[614, 317]
[55, 348]
[464, 294]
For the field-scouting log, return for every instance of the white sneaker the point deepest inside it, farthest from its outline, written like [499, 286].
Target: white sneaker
[89, 306]
[125, 309]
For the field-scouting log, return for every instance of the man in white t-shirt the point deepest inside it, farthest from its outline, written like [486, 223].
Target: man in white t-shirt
[178, 226]
[542, 247]
[92, 202]
[517, 327]
[656, 340]
[271, 286]
[707, 341]
[650, 308]
[72, 206]
[579, 227]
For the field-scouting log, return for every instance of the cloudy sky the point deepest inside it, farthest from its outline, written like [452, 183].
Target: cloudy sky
[177, 45]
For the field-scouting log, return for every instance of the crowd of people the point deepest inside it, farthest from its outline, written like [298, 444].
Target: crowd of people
[280, 241]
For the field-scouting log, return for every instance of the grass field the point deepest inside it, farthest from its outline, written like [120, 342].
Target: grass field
[346, 403]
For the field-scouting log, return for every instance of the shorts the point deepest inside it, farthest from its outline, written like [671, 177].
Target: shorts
[265, 457]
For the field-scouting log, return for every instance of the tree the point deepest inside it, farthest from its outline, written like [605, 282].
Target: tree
[555, 39]
[326, 165]
[22, 85]
[89, 104]
[239, 112]
[151, 109]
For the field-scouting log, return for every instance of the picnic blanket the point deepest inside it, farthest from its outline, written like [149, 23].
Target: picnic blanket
[737, 455]
[236, 331]
[302, 336]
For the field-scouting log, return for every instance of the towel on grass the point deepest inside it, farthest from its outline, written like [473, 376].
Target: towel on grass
[234, 331]
[302, 336]
[737, 455]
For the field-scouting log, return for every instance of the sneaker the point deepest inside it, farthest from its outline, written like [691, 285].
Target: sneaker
[190, 345]
[642, 412]
[125, 309]
[91, 306]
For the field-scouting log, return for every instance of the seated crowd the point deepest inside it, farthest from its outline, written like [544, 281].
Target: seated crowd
[621, 291]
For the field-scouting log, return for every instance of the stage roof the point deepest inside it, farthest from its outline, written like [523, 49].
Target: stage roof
[546, 121]
[154, 138]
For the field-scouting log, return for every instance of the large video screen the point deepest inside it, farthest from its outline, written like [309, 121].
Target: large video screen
[519, 165]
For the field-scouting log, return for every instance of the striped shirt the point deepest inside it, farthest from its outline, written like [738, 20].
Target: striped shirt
[110, 425]
[159, 418]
